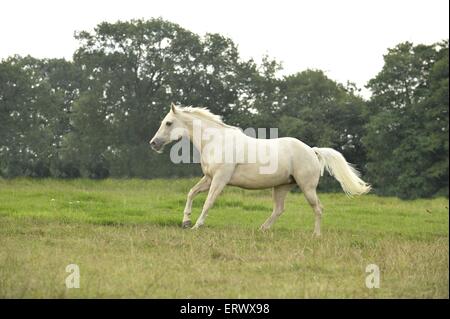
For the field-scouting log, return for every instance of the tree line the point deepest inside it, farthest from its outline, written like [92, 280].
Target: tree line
[93, 116]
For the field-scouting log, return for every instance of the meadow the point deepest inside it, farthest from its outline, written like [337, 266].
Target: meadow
[126, 238]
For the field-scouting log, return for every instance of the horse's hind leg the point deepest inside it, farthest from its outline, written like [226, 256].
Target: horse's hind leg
[279, 195]
[311, 196]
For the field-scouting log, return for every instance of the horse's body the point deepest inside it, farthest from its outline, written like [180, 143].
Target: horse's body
[247, 175]
[291, 162]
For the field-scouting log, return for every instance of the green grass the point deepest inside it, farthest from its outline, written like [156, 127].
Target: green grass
[125, 236]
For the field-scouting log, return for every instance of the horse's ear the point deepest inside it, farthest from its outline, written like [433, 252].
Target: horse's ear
[173, 108]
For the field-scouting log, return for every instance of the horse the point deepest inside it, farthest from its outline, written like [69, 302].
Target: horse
[295, 163]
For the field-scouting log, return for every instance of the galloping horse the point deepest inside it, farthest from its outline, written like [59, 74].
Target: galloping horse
[295, 163]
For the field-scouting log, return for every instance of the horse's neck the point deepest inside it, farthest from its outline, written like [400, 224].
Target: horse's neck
[197, 136]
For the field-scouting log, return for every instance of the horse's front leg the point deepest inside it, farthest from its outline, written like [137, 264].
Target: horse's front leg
[202, 186]
[219, 181]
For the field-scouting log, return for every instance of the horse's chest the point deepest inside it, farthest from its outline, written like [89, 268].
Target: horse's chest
[208, 168]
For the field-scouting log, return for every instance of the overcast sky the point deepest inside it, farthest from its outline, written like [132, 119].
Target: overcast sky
[344, 38]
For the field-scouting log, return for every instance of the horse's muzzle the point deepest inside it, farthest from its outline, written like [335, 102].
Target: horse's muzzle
[157, 144]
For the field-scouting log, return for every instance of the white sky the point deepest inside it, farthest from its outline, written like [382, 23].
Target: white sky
[344, 38]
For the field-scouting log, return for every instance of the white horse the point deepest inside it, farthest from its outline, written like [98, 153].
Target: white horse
[295, 163]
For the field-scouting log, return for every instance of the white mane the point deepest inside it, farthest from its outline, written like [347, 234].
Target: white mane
[203, 113]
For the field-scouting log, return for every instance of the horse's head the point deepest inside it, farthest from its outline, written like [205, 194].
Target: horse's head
[171, 129]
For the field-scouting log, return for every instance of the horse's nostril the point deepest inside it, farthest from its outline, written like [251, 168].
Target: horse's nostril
[152, 143]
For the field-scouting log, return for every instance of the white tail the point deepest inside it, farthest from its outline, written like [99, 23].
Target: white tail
[344, 172]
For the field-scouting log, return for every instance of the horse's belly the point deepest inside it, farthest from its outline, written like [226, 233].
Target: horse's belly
[250, 176]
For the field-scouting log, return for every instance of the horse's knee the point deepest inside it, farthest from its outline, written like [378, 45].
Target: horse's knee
[191, 194]
[318, 210]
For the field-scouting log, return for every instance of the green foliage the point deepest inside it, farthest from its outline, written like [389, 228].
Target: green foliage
[323, 113]
[34, 107]
[93, 117]
[132, 71]
[407, 136]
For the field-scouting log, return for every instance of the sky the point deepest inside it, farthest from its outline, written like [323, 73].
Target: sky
[344, 38]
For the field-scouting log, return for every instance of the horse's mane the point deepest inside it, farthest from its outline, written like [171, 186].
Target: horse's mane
[203, 113]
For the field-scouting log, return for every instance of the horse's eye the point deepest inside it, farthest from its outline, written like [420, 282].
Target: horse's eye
[168, 123]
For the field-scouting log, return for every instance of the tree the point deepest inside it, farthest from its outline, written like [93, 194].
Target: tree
[94, 116]
[32, 119]
[132, 71]
[323, 113]
[407, 136]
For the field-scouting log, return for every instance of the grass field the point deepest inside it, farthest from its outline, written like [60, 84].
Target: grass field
[126, 238]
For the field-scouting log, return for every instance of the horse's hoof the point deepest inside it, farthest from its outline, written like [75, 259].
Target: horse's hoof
[186, 224]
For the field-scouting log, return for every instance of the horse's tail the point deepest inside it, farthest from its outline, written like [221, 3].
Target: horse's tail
[344, 172]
